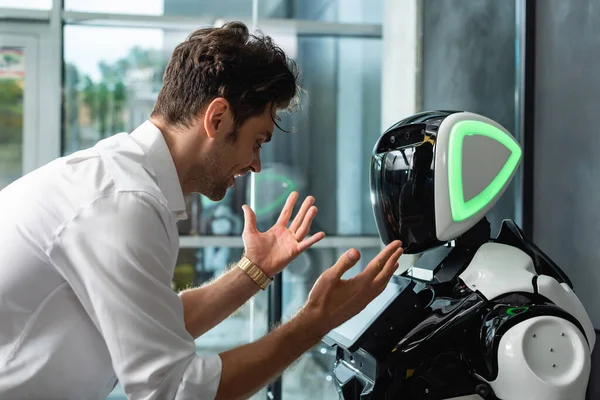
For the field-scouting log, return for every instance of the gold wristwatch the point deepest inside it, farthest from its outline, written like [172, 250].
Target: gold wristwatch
[254, 272]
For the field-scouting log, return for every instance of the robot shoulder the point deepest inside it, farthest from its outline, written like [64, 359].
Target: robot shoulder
[497, 269]
[542, 358]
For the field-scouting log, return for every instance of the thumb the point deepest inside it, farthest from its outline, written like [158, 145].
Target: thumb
[249, 219]
[345, 262]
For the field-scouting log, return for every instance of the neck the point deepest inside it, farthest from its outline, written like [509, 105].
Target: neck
[179, 145]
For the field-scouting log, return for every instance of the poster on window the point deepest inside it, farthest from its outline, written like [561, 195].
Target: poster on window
[12, 63]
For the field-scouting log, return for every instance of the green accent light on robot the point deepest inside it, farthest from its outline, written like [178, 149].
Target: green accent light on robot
[280, 200]
[461, 209]
[516, 310]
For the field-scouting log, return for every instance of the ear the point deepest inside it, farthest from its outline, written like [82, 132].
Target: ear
[218, 119]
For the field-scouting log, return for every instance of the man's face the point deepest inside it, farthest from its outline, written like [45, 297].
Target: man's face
[230, 154]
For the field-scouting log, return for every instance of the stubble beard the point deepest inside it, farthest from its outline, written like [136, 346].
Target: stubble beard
[207, 178]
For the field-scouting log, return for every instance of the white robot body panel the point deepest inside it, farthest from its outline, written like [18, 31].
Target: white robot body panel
[498, 269]
[564, 297]
[465, 188]
[542, 358]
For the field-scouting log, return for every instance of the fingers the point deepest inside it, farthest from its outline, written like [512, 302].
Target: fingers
[297, 222]
[389, 268]
[286, 212]
[249, 219]
[306, 223]
[378, 264]
[310, 241]
[345, 262]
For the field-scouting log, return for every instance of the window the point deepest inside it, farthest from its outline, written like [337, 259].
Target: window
[112, 85]
[28, 4]
[347, 11]
[112, 88]
[197, 266]
[12, 82]
[327, 155]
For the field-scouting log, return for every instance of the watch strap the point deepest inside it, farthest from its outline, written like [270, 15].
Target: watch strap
[254, 272]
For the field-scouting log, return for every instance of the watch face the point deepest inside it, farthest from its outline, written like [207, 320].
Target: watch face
[402, 182]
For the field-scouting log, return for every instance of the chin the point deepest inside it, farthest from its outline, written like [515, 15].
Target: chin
[216, 195]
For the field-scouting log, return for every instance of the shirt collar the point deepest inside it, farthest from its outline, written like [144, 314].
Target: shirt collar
[153, 143]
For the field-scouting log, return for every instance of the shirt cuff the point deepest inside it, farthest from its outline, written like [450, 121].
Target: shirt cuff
[201, 379]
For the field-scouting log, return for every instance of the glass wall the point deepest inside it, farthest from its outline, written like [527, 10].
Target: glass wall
[12, 84]
[113, 89]
[327, 155]
[345, 11]
[112, 76]
[110, 86]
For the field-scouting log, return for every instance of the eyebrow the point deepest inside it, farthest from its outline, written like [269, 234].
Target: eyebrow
[268, 135]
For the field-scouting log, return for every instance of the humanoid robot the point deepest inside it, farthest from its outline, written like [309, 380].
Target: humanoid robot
[475, 316]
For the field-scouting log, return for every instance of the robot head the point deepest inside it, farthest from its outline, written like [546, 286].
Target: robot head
[435, 174]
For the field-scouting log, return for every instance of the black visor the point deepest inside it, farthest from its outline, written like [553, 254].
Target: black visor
[402, 183]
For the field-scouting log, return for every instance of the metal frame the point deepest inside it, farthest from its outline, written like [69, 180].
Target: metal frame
[179, 23]
[273, 26]
[526, 26]
[24, 15]
[45, 29]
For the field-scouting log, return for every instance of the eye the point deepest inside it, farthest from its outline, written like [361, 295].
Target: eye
[259, 145]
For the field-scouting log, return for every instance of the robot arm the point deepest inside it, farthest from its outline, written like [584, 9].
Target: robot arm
[544, 357]
[537, 338]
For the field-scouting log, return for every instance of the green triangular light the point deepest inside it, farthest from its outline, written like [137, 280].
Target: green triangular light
[462, 210]
[279, 201]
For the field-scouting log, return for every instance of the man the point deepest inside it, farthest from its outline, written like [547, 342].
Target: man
[89, 245]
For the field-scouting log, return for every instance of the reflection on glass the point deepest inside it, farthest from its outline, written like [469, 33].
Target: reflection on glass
[314, 368]
[12, 83]
[328, 153]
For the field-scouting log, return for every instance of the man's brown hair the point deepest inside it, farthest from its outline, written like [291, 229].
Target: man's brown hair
[248, 70]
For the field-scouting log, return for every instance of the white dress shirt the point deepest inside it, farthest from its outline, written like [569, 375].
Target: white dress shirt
[89, 246]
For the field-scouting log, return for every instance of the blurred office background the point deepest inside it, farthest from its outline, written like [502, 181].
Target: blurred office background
[75, 71]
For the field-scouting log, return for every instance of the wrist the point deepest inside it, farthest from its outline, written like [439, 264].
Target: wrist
[254, 272]
[312, 325]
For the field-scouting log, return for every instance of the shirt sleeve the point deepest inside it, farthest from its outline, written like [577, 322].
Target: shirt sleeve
[118, 255]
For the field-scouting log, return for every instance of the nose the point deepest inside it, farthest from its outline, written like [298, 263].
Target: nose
[256, 165]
